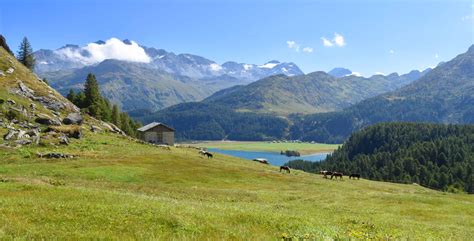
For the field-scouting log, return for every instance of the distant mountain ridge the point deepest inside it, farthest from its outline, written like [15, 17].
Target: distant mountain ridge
[73, 56]
[154, 78]
[444, 95]
[312, 93]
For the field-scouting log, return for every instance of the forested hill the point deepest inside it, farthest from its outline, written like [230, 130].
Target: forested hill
[203, 121]
[433, 155]
[444, 95]
[312, 93]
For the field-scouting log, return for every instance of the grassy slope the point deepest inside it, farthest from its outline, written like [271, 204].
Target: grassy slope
[303, 148]
[119, 188]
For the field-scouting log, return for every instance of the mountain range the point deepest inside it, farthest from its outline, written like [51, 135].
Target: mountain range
[444, 95]
[154, 78]
[312, 93]
[141, 77]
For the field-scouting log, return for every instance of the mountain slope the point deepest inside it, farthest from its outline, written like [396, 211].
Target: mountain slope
[444, 95]
[132, 85]
[339, 72]
[155, 78]
[311, 93]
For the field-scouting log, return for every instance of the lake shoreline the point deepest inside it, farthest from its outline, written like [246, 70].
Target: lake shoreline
[274, 158]
[303, 148]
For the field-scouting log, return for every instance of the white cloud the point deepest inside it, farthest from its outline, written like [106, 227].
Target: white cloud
[338, 40]
[356, 74]
[391, 51]
[436, 56]
[326, 42]
[379, 73]
[113, 48]
[308, 49]
[293, 45]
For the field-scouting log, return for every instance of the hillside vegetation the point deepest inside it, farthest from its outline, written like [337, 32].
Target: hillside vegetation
[288, 98]
[202, 121]
[312, 93]
[437, 156]
[112, 187]
[444, 95]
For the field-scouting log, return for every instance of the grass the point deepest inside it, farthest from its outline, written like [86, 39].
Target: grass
[303, 148]
[117, 188]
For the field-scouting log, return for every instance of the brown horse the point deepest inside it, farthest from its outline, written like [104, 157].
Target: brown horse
[354, 176]
[286, 168]
[337, 174]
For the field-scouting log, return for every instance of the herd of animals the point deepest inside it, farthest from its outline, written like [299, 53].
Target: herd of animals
[325, 173]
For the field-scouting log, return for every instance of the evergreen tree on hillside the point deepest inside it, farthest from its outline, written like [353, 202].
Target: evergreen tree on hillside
[116, 115]
[71, 96]
[25, 54]
[92, 96]
[96, 105]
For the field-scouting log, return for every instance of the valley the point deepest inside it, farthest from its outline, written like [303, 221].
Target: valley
[236, 120]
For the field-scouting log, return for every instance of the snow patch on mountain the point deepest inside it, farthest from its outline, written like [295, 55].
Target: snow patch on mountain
[268, 65]
[215, 67]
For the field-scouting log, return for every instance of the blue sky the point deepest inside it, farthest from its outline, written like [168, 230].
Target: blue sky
[373, 36]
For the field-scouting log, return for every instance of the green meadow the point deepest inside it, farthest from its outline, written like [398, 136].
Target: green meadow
[303, 148]
[117, 188]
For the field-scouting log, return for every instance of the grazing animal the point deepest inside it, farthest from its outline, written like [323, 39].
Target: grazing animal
[286, 168]
[202, 152]
[337, 174]
[354, 176]
[208, 154]
[325, 173]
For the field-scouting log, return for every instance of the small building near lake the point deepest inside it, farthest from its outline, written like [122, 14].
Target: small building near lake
[157, 133]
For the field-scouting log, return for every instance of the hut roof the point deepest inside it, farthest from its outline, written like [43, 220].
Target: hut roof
[153, 125]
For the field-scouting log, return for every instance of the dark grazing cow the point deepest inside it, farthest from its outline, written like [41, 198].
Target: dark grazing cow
[286, 168]
[354, 176]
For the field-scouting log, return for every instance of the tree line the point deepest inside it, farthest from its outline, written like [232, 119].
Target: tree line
[207, 121]
[91, 101]
[433, 155]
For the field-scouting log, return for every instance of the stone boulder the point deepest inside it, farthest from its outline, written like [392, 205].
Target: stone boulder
[47, 120]
[23, 142]
[63, 140]
[73, 119]
[9, 135]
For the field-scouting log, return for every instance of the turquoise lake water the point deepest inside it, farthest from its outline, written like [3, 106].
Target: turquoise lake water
[274, 158]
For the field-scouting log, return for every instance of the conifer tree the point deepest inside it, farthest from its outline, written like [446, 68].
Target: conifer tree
[116, 115]
[92, 96]
[71, 96]
[25, 54]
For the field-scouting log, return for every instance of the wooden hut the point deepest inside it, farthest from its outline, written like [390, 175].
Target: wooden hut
[157, 133]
